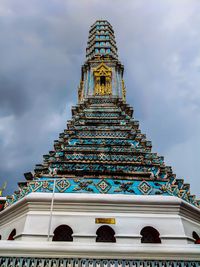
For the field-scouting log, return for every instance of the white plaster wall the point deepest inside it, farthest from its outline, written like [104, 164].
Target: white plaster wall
[127, 227]
[79, 211]
[17, 223]
[190, 226]
[30, 217]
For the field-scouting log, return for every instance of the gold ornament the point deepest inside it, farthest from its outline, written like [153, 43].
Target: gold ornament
[3, 188]
[80, 91]
[102, 80]
[123, 91]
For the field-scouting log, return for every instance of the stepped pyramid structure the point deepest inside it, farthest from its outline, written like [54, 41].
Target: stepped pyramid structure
[101, 184]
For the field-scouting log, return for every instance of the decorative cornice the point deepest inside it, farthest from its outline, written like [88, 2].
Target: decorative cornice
[125, 203]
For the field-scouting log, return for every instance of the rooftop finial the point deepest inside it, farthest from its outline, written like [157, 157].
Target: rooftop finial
[101, 41]
[102, 73]
[3, 188]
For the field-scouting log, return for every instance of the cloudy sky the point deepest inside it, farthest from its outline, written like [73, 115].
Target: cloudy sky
[42, 47]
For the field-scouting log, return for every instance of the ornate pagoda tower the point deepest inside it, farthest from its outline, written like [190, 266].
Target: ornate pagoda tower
[101, 198]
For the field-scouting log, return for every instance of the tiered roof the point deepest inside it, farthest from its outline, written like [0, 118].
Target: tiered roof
[101, 40]
[103, 151]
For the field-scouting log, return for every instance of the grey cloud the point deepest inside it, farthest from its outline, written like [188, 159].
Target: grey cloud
[14, 98]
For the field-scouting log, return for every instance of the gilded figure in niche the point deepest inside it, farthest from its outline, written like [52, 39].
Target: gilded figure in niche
[102, 80]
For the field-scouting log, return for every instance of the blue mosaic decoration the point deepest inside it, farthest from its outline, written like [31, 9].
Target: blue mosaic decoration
[103, 186]
[83, 185]
[92, 185]
[102, 149]
[98, 186]
[62, 185]
[124, 187]
[145, 188]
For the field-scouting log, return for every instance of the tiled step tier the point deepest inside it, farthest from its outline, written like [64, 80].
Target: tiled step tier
[103, 146]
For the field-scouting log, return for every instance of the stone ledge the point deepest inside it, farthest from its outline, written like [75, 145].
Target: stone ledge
[99, 250]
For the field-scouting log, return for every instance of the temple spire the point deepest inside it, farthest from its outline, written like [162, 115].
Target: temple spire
[101, 41]
[102, 73]
[102, 150]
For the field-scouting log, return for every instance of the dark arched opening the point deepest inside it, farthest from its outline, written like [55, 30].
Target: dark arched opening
[102, 80]
[105, 234]
[150, 235]
[63, 233]
[196, 237]
[12, 235]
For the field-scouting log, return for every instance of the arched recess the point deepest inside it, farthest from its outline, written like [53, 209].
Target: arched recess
[105, 234]
[63, 233]
[150, 235]
[12, 235]
[196, 237]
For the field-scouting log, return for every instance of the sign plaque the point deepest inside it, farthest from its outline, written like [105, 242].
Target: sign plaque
[105, 220]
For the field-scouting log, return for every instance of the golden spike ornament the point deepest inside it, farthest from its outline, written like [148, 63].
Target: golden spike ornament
[123, 91]
[3, 188]
[80, 91]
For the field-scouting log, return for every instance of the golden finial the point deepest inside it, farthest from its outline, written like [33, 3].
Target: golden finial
[3, 188]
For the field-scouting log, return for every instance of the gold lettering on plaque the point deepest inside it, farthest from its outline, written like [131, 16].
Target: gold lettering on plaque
[105, 220]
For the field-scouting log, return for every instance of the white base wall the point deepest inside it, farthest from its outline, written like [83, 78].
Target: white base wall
[173, 218]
